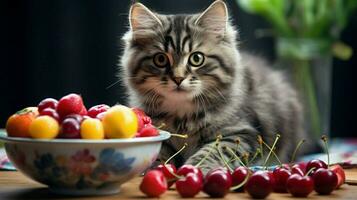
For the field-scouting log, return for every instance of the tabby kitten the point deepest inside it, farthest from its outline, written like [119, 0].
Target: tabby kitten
[186, 71]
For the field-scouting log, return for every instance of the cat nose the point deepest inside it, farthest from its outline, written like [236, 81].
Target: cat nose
[178, 80]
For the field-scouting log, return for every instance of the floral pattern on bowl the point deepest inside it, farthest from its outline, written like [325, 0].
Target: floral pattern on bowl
[81, 168]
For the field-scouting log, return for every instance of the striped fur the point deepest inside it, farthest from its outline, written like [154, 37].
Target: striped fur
[232, 93]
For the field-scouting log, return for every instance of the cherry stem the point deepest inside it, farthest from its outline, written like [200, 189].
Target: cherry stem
[254, 157]
[295, 151]
[179, 151]
[324, 139]
[274, 154]
[235, 156]
[173, 173]
[208, 153]
[309, 172]
[246, 157]
[222, 158]
[161, 126]
[260, 141]
[184, 136]
[271, 150]
[237, 147]
[241, 184]
[168, 160]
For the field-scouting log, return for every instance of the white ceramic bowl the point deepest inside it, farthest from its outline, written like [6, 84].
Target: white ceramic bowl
[83, 167]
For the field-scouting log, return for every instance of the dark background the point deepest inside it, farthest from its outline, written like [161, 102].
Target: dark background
[49, 48]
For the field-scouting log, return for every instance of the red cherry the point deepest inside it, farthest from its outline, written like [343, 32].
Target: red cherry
[148, 131]
[300, 186]
[47, 103]
[50, 112]
[341, 177]
[302, 166]
[315, 163]
[153, 184]
[185, 169]
[259, 185]
[325, 181]
[95, 110]
[217, 183]
[238, 176]
[77, 117]
[296, 169]
[271, 176]
[70, 128]
[170, 178]
[285, 166]
[281, 175]
[70, 104]
[189, 186]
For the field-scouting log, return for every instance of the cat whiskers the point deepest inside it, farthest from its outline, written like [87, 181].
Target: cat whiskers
[142, 79]
[200, 103]
[151, 97]
[111, 85]
[215, 91]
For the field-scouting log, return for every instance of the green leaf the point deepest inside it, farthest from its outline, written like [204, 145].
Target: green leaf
[279, 5]
[267, 9]
[254, 6]
[308, 12]
[341, 14]
[246, 6]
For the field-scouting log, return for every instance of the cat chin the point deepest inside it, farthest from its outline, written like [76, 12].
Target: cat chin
[181, 91]
[178, 103]
[181, 94]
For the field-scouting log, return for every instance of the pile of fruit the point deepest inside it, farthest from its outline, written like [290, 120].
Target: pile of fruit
[68, 118]
[298, 179]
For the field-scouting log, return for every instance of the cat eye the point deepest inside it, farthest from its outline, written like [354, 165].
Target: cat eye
[196, 59]
[161, 60]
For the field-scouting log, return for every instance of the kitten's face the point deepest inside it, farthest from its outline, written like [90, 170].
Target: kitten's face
[178, 60]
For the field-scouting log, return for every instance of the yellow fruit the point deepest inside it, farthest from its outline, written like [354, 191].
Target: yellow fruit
[120, 122]
[44, 127]
[92, 129]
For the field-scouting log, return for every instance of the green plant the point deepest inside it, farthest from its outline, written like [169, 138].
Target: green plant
[306, 19]
[306, 29]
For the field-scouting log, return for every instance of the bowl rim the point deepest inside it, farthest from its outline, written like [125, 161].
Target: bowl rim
[163, 135]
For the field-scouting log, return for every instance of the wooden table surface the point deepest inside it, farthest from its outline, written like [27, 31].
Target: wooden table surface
[15, 186]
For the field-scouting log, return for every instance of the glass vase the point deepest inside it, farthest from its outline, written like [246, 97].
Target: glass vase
[309, 65]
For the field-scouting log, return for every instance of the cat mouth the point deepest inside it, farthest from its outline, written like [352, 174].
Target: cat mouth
[179, 89]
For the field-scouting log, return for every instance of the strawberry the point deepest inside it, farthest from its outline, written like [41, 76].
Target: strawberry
[143, 119]
[71, 104]
[83, 111]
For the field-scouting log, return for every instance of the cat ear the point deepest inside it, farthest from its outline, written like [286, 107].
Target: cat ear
[141, 18]
[214, 18]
